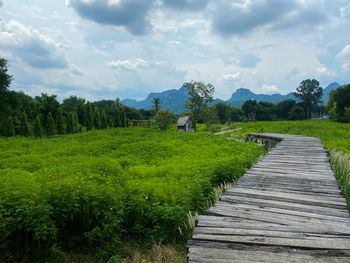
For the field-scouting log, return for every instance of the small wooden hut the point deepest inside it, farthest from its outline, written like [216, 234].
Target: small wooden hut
[185, 124]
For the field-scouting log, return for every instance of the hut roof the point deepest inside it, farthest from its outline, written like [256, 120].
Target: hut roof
[182, 120]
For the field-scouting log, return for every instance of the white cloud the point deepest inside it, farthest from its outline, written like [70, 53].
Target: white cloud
[269, 88]
[346, 66]
[30, 46]
[322, 70]
[234, 76]
[345, 52]
[129, 64]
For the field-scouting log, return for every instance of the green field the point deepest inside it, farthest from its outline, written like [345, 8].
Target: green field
[93, 190]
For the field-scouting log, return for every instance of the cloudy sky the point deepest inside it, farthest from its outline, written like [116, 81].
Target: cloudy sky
[102, 49]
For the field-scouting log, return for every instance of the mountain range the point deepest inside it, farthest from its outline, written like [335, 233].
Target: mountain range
[175, 99]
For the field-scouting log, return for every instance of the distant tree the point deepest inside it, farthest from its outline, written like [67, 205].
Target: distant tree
[75, 104]
[60, 124]
[70, 123]
[296, 113]
[339, 103]
[50, 125]
[123, 122]
[224, 112]
[46, 104]
[164, 119]
[97, 123]
[5, 81]
[103, 120]
[310, 94]
[250, 107]
[88, 117]
[24, 127]
[265, 111]
[38, 130]
[284, 107]
[76, 123]
[199, 95]
[116, 121]
[10, 128]
[156, 104]
[237, 114]
[209, 115]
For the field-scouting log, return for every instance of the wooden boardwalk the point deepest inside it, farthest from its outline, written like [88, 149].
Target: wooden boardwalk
[287, 208]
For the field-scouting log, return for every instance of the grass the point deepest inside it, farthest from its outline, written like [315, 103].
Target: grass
[92, 191]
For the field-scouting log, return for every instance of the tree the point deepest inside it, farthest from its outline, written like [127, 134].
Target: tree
[310, 94]
[97, 123]
[339, 103]
[10, 128]
[76, 123]
[284, 107]
[116, 120]
[156, 104]
[199, 95]
[5, 81]
[164, 118]
[60, 121]
[75, 104]
[50, 125]
[237, 114]
[123, 122]
[38, 131]
[209, 115]
[250, 107]
[70, 123]
[224, 112]
[46, 104]
[24, 127]
[103, 120]
[88, 117]
[296, 113]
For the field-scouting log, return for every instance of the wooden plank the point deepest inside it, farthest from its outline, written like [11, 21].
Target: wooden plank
[286, 208]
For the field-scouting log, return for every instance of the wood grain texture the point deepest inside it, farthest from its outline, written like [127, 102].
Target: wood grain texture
[287, 208]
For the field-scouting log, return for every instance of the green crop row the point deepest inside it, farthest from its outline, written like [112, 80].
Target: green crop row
[90, 191]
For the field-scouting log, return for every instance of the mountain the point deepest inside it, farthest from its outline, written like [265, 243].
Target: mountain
[242, 95]
[175, 99]
[172, 99]
[328, 90]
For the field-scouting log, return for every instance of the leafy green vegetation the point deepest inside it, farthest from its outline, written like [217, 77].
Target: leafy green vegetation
[90, 191]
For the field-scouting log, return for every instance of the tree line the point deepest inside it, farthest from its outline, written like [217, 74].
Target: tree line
[21, 114]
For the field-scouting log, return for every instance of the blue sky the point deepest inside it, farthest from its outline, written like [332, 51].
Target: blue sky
[102, 49]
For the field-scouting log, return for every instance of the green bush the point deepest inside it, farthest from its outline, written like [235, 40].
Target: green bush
[93, 190]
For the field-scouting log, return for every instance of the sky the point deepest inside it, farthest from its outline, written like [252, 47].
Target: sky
[103, 49]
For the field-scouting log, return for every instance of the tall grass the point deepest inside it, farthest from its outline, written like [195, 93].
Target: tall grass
[341, 167]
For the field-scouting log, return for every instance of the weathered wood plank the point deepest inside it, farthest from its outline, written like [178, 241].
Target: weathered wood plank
[286, 208]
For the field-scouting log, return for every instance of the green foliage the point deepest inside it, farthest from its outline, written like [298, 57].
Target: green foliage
[209, 116]
[224, 112]
[10, 128]
[104, 124]
[70, 123]
[97, 122]
[38, 130]
[296, 113]
[88, 117]
[310, 94]
[60, 123]
[50, 125]
[116, 120]
[24, 128]
[164, 119]
[199, 95]
[339, 103]
[156, 104]
[123, 122]
[95, 189]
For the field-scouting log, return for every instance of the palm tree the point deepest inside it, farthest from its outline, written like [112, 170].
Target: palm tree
[156, 102]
